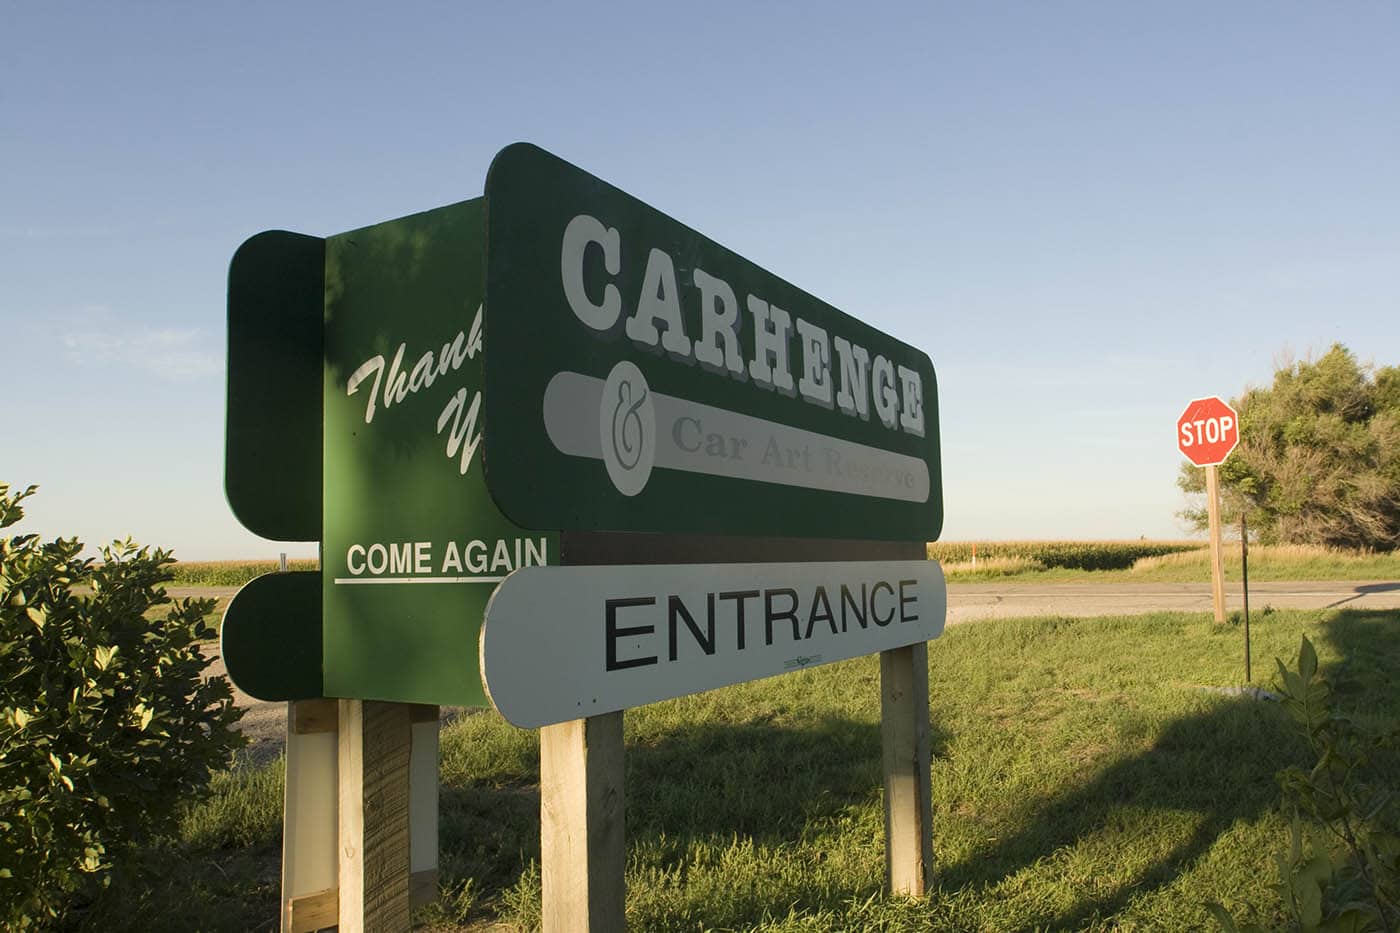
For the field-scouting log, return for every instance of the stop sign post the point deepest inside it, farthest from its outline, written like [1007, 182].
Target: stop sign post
[1207, 431]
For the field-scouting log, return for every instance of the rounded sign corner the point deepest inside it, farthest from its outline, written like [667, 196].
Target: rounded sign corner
[267, 246]
[509, 157]
[937, 526]
[270, 636]
[500, 496]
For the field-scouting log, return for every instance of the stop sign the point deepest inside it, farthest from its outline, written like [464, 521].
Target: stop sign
[1207, 431]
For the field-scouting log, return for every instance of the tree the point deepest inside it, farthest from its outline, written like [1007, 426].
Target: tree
[1319, 456]
[106, 724]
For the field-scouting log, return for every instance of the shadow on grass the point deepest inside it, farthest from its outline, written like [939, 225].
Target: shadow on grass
[1217, 767]
[757, 779]
[757, 792]
[1369, 645]
[174, 889]
[702, 784]
[771, 781]
[486, 835]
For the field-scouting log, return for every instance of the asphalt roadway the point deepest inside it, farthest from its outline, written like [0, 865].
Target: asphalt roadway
[265, 723]
[969, 602]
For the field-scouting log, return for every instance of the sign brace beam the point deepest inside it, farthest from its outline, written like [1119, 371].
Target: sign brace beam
[583, 843]
[904, 740]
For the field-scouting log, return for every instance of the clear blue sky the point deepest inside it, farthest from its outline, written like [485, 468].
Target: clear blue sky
[1086, 213]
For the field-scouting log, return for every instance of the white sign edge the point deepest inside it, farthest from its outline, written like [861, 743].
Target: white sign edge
[756, 568]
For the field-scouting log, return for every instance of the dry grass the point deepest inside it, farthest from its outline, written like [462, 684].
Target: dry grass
[1279, 562]
[1067, 555]
[1154, 562]
[231, 572]
[992, 568]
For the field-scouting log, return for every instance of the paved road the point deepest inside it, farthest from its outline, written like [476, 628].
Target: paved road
[265, 723]
[968, 602]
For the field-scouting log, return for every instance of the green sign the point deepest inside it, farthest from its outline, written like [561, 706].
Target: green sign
[600, 365]
[355, 415]
[272, 463]
[644, 378]
[413, 545]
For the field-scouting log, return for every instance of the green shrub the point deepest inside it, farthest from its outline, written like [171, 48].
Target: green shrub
[1341, 868]
[105, 722]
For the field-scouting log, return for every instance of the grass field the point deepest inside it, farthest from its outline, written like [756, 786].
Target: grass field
[1056, 555]
[1083, 779]
[230, 572]
[1154, 562]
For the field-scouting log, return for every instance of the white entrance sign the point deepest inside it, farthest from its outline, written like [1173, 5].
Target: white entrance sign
[564, 643]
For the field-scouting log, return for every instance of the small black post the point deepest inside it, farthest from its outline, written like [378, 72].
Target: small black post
[1244, 573]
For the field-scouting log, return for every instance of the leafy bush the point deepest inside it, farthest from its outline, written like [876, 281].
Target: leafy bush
[1341, 868]
[105, 722]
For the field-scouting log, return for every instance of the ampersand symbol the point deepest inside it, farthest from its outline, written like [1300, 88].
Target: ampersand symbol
[627, 426]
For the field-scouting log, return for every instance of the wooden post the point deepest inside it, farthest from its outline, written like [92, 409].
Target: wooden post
[310, 899]
[583, 847]
[1217, 559]
[423, 805]
[374, 742]
[311, 823]
[908, 794]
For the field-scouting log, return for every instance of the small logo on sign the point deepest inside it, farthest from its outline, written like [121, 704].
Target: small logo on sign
[627, 428]
[801, 661]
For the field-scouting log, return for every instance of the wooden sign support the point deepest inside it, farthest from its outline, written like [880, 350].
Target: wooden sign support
[359, 842]
[310, 892]
[374, 752]
[583, 845]
[904, 739]
[1217, 559]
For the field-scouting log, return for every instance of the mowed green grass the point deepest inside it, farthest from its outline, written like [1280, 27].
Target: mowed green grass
[1085, 777]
